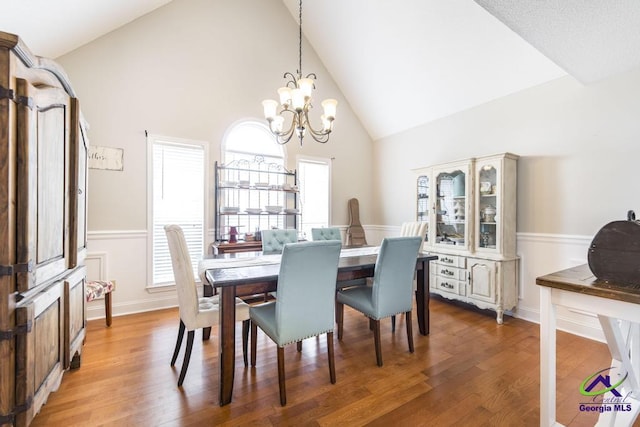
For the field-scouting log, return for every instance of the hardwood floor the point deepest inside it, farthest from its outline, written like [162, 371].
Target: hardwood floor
[469, 371]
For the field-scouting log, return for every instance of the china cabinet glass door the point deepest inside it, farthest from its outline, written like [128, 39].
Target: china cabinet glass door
[450, 208]
[423, 207]
[487, 215]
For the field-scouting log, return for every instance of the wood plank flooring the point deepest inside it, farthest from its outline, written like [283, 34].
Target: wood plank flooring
[469, 371]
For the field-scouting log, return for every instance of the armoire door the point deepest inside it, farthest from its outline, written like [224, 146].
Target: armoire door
[77, 188]
[43, 125]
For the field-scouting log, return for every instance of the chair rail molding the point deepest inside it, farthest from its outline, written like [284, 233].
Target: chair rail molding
[540, 253]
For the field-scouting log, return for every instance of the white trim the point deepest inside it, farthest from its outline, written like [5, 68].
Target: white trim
[554, 238]
[101, 257]
[116, 234]
[540, 253]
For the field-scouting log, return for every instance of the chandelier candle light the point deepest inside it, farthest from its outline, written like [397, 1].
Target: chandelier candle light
[295, 99]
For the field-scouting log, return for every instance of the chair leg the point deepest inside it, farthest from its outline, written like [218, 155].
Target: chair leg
[107, 308]
[283, 391]
[254, 339]
[393, 323]
[332, 363]
[299, 346]
[187, 357]
[376, 339]
[339, 318]
[407, 319]
[245, 341]
[178, 342]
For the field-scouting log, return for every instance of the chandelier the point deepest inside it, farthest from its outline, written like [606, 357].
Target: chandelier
[295, 100]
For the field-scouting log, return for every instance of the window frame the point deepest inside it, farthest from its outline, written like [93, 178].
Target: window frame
[328, 161]
[152, 139]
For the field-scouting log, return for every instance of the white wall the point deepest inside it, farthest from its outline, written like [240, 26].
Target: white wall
[578, 170]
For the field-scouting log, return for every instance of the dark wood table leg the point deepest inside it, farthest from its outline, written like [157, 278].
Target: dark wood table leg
[207, 291]
[422, 297]
[227, 344]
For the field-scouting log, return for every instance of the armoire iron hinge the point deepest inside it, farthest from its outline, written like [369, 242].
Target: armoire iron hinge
[10, 270]
[22, 100]
[10, 418]
[6, 93]
[25, 100]
[17, 330]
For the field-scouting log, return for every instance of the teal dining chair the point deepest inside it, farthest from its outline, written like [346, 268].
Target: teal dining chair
[391, 291]
[328, 233]
[273, 241]
[305, 305]
[414, 228]
[195, 313]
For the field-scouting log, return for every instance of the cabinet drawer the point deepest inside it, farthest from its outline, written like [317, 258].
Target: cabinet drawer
[450, 285]
[448, 272]
[452, 260]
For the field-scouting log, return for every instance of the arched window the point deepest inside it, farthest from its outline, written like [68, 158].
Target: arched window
[256, 162]
[247, 139]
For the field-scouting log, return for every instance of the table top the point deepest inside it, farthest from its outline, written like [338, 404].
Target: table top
[230, 276]
[581, 280]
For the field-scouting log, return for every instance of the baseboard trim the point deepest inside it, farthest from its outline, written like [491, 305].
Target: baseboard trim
[565, 324]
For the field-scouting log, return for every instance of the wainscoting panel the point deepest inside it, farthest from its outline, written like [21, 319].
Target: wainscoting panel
[124, 256]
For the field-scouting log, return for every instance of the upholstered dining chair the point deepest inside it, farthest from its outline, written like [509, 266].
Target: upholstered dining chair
[273, 241]
[328, 233]
[391, 291]
[195, 313]
[412, 228]
[415, 228]
[305, 304]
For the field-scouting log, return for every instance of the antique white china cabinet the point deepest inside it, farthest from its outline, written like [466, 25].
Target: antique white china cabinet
[470, 206]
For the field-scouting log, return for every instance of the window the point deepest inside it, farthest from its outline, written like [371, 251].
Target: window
[251, 154]
[177, 190]
[247, 139]
[315, 193]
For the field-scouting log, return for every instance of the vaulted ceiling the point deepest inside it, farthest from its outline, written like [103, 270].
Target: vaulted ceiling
[404, 63]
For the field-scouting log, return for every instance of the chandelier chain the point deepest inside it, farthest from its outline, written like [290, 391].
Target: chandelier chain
[300, 39]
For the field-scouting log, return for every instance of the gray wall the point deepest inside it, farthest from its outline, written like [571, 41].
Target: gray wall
[189, 70]
[580, 148]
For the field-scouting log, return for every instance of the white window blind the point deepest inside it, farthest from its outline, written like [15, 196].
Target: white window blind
[315, 193]
[178, 198]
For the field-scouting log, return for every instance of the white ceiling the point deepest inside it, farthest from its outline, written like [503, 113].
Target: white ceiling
[404, 63]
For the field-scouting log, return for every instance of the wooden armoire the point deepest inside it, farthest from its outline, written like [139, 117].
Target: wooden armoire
[43, 181]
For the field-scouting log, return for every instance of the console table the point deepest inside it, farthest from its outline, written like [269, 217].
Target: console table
[618, 309]
[218, 248]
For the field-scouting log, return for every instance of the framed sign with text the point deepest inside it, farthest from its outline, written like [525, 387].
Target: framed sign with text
[106, 158]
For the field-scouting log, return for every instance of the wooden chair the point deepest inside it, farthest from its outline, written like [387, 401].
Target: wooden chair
[305, 304]
[195, 313]
[95, 289]
[391, 291]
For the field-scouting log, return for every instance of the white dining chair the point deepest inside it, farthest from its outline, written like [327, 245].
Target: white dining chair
[195, 313]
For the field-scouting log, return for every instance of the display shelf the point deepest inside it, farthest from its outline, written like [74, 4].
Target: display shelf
[235, 186]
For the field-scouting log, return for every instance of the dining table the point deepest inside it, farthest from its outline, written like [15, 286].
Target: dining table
[253, 273]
